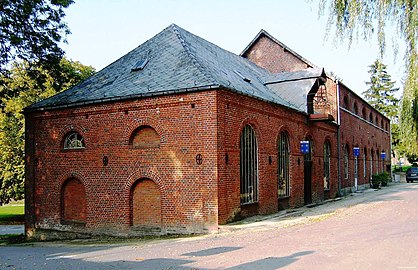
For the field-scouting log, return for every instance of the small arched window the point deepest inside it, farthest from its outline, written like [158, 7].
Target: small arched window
[283, 165]
[371, 118]
[381, 124]
[327, 164]
[355, 108]
[74, 140]
[145, 137]
[363, 112]
[346, 102]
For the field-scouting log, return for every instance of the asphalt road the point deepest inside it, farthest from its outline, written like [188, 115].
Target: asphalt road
[370, 230]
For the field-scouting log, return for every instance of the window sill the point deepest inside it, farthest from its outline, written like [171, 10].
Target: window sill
[249, 203]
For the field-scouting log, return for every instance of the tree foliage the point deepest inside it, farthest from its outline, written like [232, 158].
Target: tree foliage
[353, 18]
[31, 30]
[18, 90]
[380, 93]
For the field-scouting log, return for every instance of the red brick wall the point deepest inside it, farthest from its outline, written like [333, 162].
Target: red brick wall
[359, 132]
[234, 112]
[269, 55]
[187, 127]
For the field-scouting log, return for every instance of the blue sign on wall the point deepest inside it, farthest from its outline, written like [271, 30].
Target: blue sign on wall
[304, 147]
[383, 155]
[356, 151]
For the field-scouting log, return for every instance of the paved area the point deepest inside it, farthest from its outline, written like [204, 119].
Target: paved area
[12, 229]
[369, 230]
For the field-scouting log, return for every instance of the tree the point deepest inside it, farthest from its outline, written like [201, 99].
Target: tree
[368, 17]
[380, 93]
[19, 90]
[30, 30]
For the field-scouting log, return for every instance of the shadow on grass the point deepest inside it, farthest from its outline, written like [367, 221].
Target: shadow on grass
[12, 219]
[10, 239]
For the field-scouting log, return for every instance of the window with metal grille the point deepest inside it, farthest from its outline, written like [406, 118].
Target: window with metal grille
[327, 164]
[283, 165]
[365, 163]
[248, 166]
[371, 162]
[74, 141]
[346, 162]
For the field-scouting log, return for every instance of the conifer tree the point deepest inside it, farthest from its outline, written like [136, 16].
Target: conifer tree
[381, 91]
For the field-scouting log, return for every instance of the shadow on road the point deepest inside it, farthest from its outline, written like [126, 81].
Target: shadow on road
[271, 263]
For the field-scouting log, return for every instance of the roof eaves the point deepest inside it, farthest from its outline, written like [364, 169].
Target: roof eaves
[121, 98]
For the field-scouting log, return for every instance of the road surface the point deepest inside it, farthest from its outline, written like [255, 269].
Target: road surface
[370, 230]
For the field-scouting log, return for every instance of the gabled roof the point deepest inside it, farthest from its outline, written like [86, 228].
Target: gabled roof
[264, 33]
[173, 61]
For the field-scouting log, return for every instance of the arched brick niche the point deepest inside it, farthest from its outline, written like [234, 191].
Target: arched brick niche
[145, 204]
[73, 201]
[145, 137]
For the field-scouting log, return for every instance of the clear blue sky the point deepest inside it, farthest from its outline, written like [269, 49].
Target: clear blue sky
[105, 30]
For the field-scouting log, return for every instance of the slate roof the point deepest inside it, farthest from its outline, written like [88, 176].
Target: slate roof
[178, 61]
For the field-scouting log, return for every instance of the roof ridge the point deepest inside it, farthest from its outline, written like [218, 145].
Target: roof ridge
[191, 55]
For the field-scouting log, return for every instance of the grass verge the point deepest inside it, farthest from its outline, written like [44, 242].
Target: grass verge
[12, 214]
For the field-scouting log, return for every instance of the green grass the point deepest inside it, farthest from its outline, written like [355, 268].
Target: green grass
[396, 168]
[12, 214]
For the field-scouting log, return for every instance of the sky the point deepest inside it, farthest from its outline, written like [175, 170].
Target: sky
[105, 30]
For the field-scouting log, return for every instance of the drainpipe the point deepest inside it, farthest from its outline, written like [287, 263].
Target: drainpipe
[338, 139]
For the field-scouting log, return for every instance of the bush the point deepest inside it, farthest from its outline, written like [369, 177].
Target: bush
[380, 179]
[376, 180]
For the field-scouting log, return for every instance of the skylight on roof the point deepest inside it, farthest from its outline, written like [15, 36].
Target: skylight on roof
[242, 76]
[140, 65]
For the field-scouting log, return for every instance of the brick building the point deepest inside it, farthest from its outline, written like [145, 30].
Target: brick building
[359, 124]
[179, 135]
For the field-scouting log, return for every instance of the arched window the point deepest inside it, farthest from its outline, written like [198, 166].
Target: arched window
[327, 164]
[73, 201]
[376, 121]
[363, 112]
[248, 166]
[346, 159]
[381, 124]
[145, 137]
[355, 108]
[283, 165]
[371, 117]
[74, 140]
[346, 102]
[365, 163]
[371, 162]
[145, 204]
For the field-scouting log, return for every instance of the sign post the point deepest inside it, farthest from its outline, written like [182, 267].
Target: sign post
[383, 156]
[356, 153]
